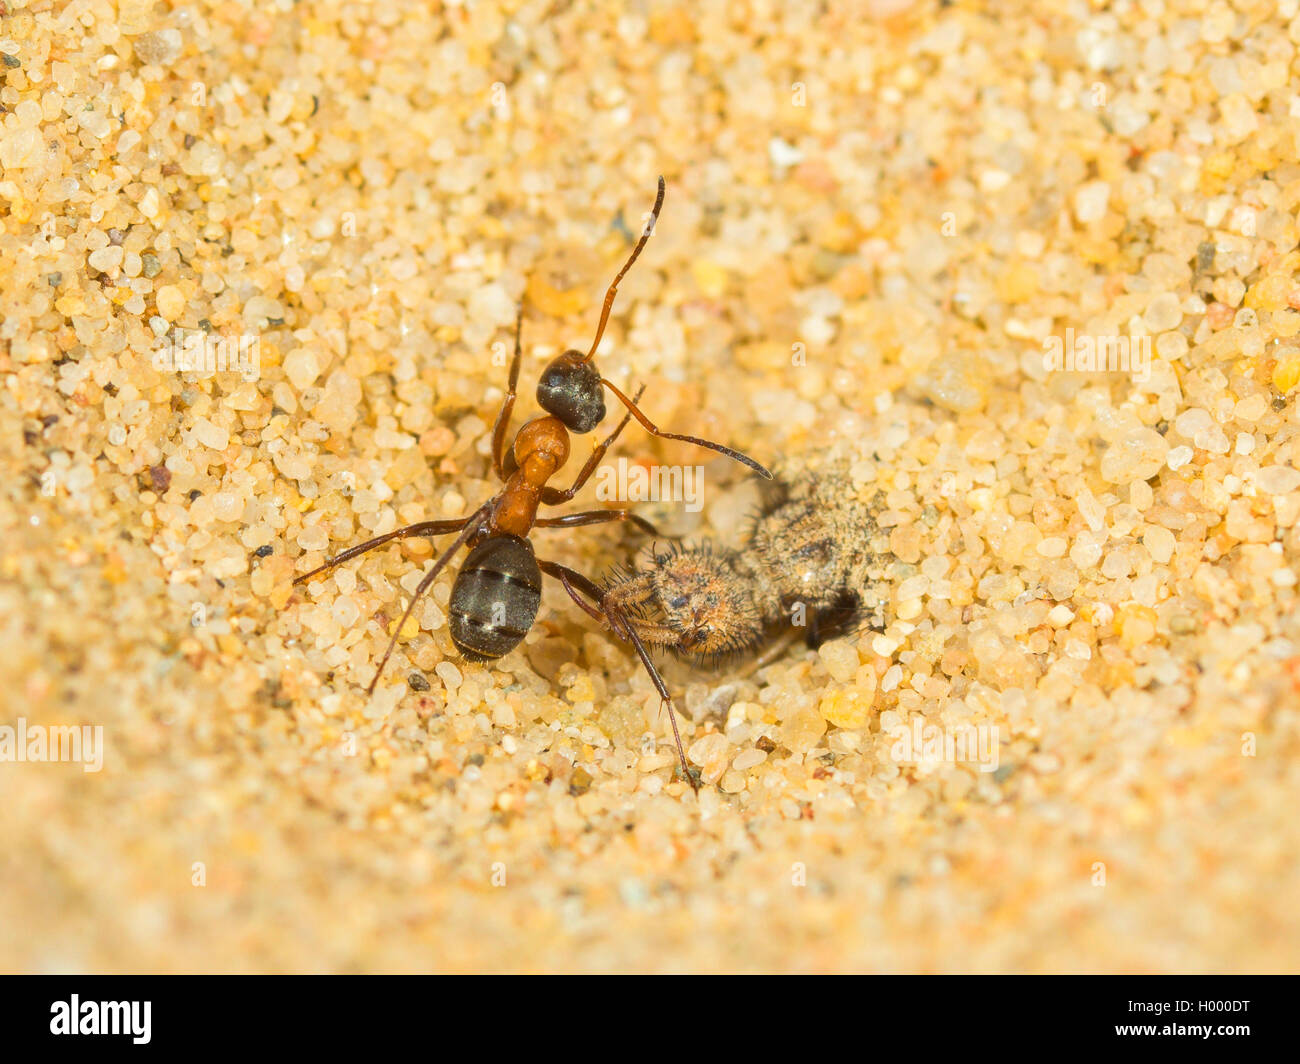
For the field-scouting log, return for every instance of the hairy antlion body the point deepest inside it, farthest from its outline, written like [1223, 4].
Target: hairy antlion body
[807, 561]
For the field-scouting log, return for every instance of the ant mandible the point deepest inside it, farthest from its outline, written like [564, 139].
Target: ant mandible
[497, 593]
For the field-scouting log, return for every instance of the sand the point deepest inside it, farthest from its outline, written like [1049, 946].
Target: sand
[876, 222]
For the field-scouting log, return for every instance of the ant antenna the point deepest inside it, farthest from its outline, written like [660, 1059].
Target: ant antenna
[613, 289]
[708, 445]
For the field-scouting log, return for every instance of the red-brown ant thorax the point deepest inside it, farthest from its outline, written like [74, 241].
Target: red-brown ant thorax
[544, 439]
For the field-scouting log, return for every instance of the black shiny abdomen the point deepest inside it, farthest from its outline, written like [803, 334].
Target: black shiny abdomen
[495, 598]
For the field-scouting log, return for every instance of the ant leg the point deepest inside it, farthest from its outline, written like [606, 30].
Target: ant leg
[658, 635]
[665, 700]
[562, 575]
[654, 430]
[613, 288]
[470, 525]
[423, 528]
[555, 496]
[575, 583]
[502, 425]
[595, 517]
[653, 632]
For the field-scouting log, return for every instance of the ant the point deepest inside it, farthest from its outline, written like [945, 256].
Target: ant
[497, 592]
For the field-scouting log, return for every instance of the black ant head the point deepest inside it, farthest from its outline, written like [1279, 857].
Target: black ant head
[569, 389]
